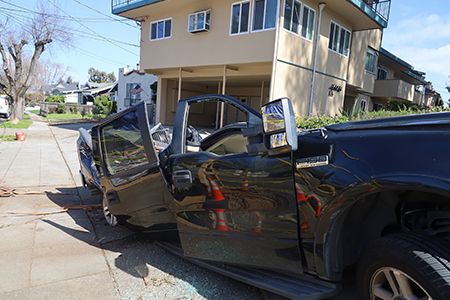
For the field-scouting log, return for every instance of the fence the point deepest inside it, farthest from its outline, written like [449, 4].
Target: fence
[47, 106]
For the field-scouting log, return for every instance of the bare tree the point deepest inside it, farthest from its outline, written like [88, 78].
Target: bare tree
[43, 28]
[47, 73]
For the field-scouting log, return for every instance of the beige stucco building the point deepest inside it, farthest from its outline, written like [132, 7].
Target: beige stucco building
[320, 54]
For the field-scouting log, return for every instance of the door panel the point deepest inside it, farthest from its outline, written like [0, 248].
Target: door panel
[240, 208]
[135, 190]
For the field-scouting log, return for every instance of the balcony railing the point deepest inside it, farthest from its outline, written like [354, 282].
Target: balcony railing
[117, 3]
[380, 7]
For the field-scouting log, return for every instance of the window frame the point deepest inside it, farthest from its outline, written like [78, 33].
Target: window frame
[363, 105]
[264, 16]
[206, 21]
[383, 70]
[378, 106]
[249, 23]
[299, 25]
[309, 22]
[374, 54]
[164, 21]
[129, 96]
[335, 41]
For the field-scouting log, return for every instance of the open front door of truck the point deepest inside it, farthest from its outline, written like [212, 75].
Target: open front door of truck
[233, 205]
[134, 190]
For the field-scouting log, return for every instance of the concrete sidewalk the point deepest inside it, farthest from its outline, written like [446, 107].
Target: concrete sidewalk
[49, 254]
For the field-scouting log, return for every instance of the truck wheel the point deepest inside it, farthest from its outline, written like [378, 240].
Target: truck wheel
[109, 217]
[405, 266]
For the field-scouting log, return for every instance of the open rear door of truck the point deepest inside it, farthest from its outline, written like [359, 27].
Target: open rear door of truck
[134, 191]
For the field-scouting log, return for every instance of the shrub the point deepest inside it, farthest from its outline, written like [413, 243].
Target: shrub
[56, 98]
[74, 109]
[61, 109]
[104, 105]
[83, 113]
[402, 106]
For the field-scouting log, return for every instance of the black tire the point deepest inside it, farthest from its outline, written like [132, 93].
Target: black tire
[409, 263]
[111, 219]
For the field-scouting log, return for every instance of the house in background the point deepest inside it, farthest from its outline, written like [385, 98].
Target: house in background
[131, 88]
[66, 89]
[396, 80]
[87, 94]
[432, 98]
[312, 51]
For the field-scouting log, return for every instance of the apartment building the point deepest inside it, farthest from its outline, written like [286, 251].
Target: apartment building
[396, 80]
[321, 54]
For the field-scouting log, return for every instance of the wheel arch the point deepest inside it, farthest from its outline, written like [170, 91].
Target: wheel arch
[368, 211]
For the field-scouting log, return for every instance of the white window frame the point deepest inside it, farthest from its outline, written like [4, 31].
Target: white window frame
[241, 3]
[374, 62]
[164, 22]
[264, 16]
[345, 50]
[206, 21]
[383, 70]
[292, 16]
[307, 26]
[363, 105]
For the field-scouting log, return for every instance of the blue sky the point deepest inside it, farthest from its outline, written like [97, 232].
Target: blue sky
[418, 32]
[99, 41]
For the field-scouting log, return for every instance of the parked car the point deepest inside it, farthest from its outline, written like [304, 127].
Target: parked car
[4, 107]
[288, 210]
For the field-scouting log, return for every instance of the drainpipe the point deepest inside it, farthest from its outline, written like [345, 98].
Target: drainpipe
[321, 7]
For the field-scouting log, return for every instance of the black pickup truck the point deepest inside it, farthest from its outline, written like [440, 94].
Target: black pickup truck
[288, 210]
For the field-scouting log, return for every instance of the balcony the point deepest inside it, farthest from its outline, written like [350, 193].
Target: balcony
[364, 14]
[120, 6]
[394, 89]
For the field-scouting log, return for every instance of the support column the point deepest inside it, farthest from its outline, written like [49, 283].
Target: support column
[180, 76]
[224, 85]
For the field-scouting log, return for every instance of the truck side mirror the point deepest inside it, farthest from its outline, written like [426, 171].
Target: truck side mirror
[280, 130]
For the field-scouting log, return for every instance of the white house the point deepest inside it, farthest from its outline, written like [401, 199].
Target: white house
[132, 87]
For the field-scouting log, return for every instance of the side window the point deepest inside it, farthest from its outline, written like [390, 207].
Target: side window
[217, 125]
[122, 145]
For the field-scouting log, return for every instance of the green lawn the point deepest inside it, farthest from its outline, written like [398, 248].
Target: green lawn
[8, 138]
[22, 124]
[64, 116]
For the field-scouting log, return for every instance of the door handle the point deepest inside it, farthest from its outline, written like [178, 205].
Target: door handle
[182, 178]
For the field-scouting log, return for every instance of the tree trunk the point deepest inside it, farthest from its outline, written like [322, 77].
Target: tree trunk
[17, 107]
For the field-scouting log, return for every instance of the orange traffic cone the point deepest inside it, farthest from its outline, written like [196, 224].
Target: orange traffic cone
[220, 225]
[258, 223]
[300, 194]
[216, 194]
[244, 185]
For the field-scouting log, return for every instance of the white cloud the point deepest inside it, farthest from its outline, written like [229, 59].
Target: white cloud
[423, 41]
[418, 30]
